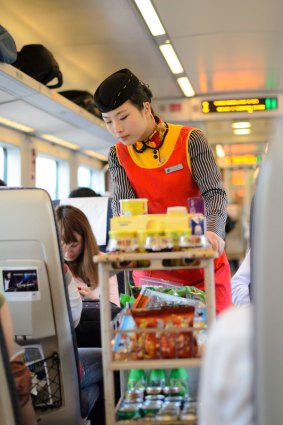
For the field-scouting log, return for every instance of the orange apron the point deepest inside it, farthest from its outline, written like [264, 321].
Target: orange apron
[170, 183]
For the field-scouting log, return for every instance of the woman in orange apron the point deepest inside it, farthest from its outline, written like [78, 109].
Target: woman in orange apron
[167, 164]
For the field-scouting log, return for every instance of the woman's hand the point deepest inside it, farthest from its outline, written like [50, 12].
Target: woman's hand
[217, 243]
[86, 292]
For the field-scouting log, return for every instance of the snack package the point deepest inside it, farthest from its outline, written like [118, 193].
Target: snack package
[159, 296]
[125, 341]
[171, 335]
[161, 333]
[200, 329]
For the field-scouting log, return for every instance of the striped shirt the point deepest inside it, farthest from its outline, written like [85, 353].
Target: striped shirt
[205, 172]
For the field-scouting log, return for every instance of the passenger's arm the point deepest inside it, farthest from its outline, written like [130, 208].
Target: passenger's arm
[240, 282]
[75, 299]
[7, 326]
[20, 371]
[225, 394]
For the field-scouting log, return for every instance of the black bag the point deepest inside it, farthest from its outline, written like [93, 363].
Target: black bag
[82, 98]
[88, 330]
[39, 63]
[8, 49]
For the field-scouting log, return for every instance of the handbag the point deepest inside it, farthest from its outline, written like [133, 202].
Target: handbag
[82, 98]
[88, 330]
[8, 49]
[39, 63]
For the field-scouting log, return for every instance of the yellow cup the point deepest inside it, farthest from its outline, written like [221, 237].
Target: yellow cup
[133, 206]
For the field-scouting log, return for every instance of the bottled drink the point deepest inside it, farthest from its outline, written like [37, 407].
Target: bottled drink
[137, 379]
[157, 378]
[179, 378]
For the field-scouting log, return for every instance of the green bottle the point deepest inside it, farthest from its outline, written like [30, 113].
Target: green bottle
[157, 378]
[137, 379]
[179, 378]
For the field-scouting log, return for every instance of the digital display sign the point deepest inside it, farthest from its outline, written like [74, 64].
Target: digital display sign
[239, 105]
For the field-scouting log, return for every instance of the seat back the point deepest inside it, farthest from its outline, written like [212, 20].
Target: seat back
[32, 277]
[98, 211]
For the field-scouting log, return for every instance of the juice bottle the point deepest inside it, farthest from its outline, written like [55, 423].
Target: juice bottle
[137, 379]
[179, 378]
[157, 378]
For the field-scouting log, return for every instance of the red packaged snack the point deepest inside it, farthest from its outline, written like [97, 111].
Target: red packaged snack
[168, 333]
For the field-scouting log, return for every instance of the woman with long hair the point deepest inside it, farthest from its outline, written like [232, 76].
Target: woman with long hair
[79, 246]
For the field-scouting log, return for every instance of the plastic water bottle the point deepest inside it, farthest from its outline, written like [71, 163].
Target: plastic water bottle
[179, 378]
[137, 379]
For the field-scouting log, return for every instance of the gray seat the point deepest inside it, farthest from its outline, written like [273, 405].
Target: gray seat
[30, 250]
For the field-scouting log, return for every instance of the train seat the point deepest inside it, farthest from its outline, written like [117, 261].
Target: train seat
[32, 278]
[98, 211]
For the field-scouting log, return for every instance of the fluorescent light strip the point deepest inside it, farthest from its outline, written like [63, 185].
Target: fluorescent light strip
[171, 58]
[59, 141]
[16, 125]
[241, 124]
[96, 155]
[150, 16]
[186, 86]
[242, 131]
[156, 28]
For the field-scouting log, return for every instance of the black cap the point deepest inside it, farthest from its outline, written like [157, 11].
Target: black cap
[115, 90]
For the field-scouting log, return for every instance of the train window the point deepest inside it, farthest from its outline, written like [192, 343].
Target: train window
[53, 176]
[98, 181]
[10, 165]
[84, 176]
[2, 163]
[89, 177]
[46, 175]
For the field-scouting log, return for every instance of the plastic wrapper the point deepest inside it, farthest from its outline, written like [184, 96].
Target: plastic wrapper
[162, 333]
[159, 297]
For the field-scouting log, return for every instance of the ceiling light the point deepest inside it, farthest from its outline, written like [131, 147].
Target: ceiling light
[59, 141]
[150, 16]
[241, 124]
[186, 86]
[241, 131]
[16, 125]
[171, 58]
[220, 151]
[96, 155]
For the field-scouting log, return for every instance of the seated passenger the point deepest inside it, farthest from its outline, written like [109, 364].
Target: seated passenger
[226, 395]
[79, 246]
[90, 359]
[83, 192]
[20, 371]
[240, 282]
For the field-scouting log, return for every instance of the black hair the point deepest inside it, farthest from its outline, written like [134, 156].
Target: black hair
[142, 94]
[83, 192]
[2, 183]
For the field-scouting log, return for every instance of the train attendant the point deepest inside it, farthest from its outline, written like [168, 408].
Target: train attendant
[167, 164]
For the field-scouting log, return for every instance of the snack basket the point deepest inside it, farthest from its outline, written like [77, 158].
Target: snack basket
[162, 333]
